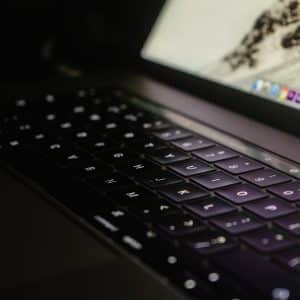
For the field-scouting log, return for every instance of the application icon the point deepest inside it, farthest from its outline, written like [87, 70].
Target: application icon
[257, 85]
[297, 98]
[275, 90]
[283, 93]
[291, 95]
[266, 87]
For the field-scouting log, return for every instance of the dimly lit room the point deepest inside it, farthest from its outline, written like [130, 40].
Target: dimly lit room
[150, 150]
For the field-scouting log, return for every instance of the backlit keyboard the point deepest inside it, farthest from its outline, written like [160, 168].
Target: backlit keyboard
[215, 222]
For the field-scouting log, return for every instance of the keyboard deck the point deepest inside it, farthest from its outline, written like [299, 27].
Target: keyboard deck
[215, 222]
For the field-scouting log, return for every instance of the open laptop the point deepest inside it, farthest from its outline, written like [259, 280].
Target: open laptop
[181, 174]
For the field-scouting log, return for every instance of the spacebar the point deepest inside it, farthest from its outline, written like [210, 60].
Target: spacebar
[260, 275]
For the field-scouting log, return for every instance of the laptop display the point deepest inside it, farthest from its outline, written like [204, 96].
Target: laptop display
[253, 46]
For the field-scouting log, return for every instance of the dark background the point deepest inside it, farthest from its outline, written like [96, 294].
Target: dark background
[36, 34]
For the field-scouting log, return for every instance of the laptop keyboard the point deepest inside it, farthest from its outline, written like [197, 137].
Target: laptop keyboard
[202, 215]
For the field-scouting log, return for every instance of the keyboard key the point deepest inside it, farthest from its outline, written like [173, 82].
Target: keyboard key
[79, 109]
[133, 117]
[111, 127]
[172, 134]
[87, 170]
[215, 154]
[113, 109]
[152, 210]
[160, 178]
[265, 178]
[68, 160]
[136, 167]
[103, 223]
[81, 135]
[182, 192]
[241, 193]
[236, 223]
[209, 207]
[110, 182]
[155, 125]
[128, 137]
[131, 195]
[239, 165]
[116, 156]
[190, 167]
[267, 240]
[124, 136]
[116, 216]
[133, 242]
[167, 156]
[95, 118]
[270, 208]
[180, 224]
[147, 145]
[215, 180]
[67, 127]
[290, 223]
[290, 259]
[209, 242]
[193, 143]
[288, 191]
[98, 145]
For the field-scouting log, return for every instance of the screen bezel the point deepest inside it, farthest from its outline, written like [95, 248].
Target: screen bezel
[251, 105]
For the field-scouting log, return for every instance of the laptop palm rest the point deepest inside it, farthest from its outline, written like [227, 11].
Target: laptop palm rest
[45, 256]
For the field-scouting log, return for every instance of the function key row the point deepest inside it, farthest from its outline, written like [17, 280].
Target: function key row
[192, 143]
[215, 154]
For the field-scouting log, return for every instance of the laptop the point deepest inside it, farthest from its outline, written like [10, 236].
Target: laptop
[176, 177]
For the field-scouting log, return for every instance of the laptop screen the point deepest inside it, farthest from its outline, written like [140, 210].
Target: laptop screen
[250, 45]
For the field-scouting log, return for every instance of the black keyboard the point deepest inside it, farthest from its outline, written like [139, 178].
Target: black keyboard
[216, 223]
